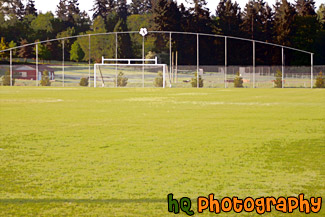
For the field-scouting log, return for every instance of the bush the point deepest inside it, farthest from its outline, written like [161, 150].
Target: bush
[194, 81]
[76, 52]
[278, 79]
[84, 82]
[159, 80]
[121, 80]
[150, 55]
[6, 79]
[320, 81]
[238, 82]
[45, 81]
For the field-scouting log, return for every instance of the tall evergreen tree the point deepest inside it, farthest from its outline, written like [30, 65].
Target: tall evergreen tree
[70, 15]
[100, 9]
[201, 21]
[13, 8]
[111, 21]
[30, 8]
[147, 6]
[305, 7]
[62, 10]
[136, 6]
[307, 27]
[124, 40]
[122, 9]
[140, 6]
[73, 12]
[257, 16]
[166, 16]
[229, 17]
[17, 8]
[284, 19]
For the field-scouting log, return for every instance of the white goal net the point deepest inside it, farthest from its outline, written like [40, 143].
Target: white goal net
[132, 73]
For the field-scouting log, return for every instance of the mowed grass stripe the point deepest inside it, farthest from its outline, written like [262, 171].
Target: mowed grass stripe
[81, 151]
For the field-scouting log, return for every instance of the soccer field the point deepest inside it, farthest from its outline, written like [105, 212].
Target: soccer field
[119, 152]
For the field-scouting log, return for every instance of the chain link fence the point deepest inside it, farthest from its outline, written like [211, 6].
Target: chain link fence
[183, 66]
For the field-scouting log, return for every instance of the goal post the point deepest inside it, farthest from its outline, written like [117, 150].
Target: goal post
[130, 74]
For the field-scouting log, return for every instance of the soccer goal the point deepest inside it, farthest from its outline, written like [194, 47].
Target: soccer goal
[130, 73]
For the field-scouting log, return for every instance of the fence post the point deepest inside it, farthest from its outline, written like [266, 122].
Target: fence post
[116, 47]
[143, 61]
[170, 57]
[37, 64]
[95, 75]
[254, 64]
[164, 76]
[89, 56]
[63, 63]
[197, 60]
[225, 81]
[311, 70]
[282, 69]
[10, 67]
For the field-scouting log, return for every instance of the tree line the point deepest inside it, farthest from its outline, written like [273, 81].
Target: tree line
[297, 25]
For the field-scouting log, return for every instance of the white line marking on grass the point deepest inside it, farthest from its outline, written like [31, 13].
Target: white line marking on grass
[228, 103]
[30, 101]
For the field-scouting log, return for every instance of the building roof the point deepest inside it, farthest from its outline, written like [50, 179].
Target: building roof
[33, 67]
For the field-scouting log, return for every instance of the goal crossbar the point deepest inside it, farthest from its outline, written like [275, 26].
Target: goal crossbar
[164, 67]
[129, 61]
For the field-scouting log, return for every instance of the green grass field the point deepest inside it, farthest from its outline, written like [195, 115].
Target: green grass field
[119, 152]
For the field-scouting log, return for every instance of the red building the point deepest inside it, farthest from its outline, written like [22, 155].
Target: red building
[28, 72]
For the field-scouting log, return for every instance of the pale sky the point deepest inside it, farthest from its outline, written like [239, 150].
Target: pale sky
[50, 5]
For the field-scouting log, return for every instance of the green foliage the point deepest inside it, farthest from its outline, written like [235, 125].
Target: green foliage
[229, 17]
[12, 44]
[136, 22]
[45, 80]
[296, 25]
[124, 40]
[25, 52]
[6, 79]
[238, 81]
[102, 8]
[320, 81]
[112, 19]
[100, 45]
[278, 79]
[84, 82]
[76, 53]
[150, 55]
[159, 80]
[70, 31]
[321, 14]
[3, 46]
[140, 6]
[43, 25]
[122, 81]
[194, 81]
[44, 52]
[306, 32]
[257, 19]
[30, 8]
[284, 20]
[165, 16]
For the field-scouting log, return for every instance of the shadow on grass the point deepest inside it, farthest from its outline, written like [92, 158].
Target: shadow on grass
[56, 200]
